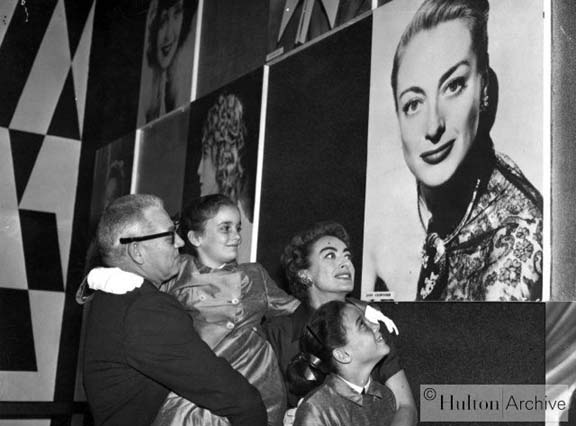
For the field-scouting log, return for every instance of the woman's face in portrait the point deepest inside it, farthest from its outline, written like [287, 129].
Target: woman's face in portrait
[169, 28]
[207, 175]
[364, 341]
[438, 96]
[331, 266]
[219, 242]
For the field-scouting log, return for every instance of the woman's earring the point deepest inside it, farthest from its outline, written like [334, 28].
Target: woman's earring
[305, 278]
[484, 102]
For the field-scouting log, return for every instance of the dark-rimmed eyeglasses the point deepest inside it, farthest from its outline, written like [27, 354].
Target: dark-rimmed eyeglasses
[172, 234]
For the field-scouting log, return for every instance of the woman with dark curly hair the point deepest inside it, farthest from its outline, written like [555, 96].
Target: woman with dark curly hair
[221, 169]
[168, 24]
[344, 345]
[482, 217]
[318, 266]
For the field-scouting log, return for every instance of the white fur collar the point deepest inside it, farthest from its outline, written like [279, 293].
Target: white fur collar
[113, 280]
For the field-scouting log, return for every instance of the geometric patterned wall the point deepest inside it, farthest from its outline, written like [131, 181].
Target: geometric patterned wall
[44, 55]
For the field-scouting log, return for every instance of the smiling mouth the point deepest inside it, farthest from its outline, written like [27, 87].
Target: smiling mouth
[166, 49]
[344, 276]
[435, 156]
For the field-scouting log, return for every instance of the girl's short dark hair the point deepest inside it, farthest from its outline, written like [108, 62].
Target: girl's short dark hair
[197, 213]
[295, 255]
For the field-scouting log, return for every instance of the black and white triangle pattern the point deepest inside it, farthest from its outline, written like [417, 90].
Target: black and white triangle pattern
[44, 58]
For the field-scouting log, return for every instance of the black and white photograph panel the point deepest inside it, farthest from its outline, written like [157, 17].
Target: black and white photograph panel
[315, 144]
[293, 23]
[455, 168]
[112, 174]
[563, 176]
[222, 150]
[168, 57]
[162, 159]
[233, 41]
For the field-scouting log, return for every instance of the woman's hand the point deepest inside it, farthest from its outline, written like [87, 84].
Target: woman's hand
[290, 414]
[289, 417]
[375, 316]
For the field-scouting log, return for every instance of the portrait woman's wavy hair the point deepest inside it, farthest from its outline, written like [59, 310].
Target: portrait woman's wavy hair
[224, 141]
[434, 12]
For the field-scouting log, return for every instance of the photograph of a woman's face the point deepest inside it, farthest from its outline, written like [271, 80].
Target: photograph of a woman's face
[222, 149]
[452, 214]
[222, 168]
[167, 63]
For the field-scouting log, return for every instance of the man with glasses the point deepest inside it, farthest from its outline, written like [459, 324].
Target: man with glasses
[140, 343]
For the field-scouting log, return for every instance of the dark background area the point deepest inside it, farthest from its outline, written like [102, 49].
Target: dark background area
[315, 144]
[233, 41]
[470, 343]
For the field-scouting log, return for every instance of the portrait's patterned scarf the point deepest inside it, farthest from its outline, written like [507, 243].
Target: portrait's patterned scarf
[495, 252]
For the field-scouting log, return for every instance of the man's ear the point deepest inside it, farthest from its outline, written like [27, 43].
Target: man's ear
[341, 356]
[135, 253]
[195, 238]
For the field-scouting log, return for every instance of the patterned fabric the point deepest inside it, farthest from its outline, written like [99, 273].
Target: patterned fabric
[227, 306]
[497, 255]
[337, 404]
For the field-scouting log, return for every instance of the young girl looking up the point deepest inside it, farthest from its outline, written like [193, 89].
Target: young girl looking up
[227, 301]
[340, 341]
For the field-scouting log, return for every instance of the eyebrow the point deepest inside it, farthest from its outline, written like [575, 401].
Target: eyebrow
[346, 250]
[443, 78]
[451, 70]
[229, 222]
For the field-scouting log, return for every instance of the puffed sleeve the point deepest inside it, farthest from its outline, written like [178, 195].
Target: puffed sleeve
[169, 350]
[279, 302]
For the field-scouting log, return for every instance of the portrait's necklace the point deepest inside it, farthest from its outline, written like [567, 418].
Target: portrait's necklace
[434, 272]
[434, 245]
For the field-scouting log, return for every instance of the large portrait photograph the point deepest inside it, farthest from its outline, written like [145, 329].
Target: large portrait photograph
[222, 149]
[455, 170]
[314, 163]
[168, 58]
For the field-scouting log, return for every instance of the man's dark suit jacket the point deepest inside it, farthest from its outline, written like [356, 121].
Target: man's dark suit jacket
[141, 345]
